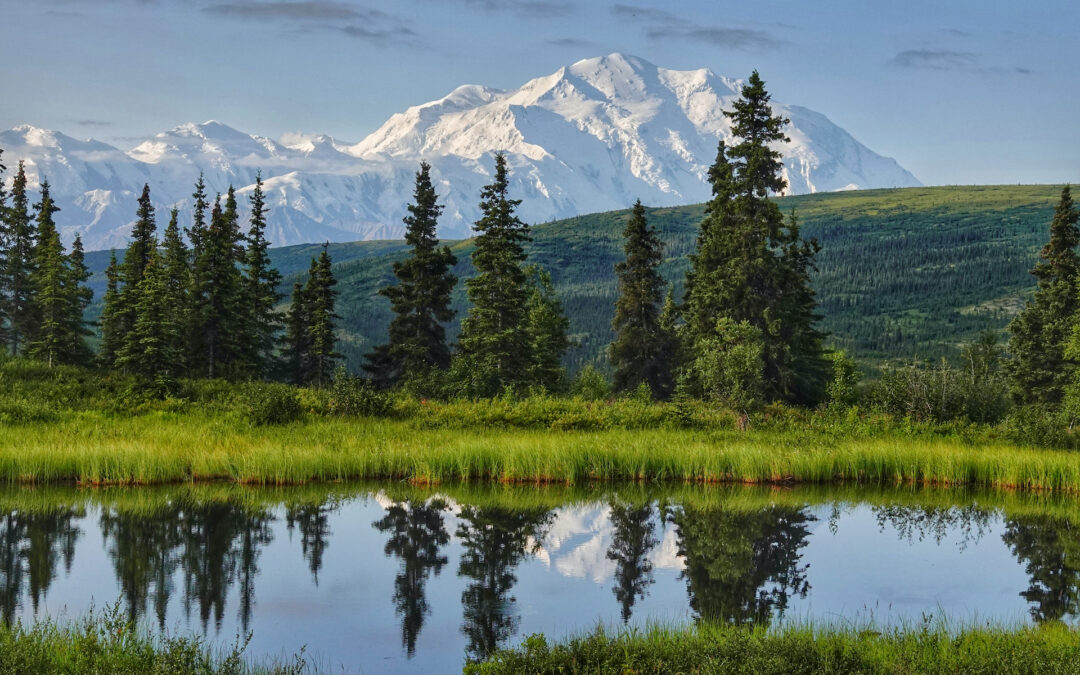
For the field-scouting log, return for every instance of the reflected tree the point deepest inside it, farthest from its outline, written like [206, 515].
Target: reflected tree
[32, 545]
[215, 535]
[417, 531]
[967, 523]
[495, 540]
[313, 521]
[741, 566]
[144, 548]
[633, 536]
[1049, 548]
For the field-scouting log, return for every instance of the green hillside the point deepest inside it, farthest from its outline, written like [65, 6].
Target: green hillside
[905, 272]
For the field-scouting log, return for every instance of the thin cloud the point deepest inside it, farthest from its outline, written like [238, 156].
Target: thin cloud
[573, 43]
[736, 38]
[537, 9]
[638, 13]
[295, 10]
[94, 123]
[950, 60]
[934, 59]
[396, 35]
[663, 25]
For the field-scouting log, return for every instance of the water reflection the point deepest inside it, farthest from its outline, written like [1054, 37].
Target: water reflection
[417, 533]
[633, 537]
[31, 546]
[742, 565]
[1049, 549]
[495, 540]
[477, 570]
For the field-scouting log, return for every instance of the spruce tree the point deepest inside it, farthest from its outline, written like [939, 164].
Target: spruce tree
[421, 298]
[639, 353]
[143, 243]
[197, 236]
[19, 265]
[49, 332]
[5, 243]
[494, 340]
[319, 296]
[546, 327]
[111, 321]
[175, 266]
[260, 290]
[1039, 371]
[751, 264]
[152, 353]
[79, 297]
[296, 346]
[218, 300]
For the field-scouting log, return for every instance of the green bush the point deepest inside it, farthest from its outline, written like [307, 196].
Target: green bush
[590, 385]
[354, 397]
[265, 403]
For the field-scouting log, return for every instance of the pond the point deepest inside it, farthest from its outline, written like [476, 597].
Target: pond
[391, 578]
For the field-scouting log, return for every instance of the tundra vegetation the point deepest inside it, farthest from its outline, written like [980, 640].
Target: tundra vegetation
[199, 367]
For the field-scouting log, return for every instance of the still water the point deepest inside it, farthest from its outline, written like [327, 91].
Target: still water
[388, 578]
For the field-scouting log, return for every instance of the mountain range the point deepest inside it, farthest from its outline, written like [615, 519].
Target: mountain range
[592, 136]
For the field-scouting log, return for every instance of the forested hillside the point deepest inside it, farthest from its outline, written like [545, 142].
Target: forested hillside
[902, 273]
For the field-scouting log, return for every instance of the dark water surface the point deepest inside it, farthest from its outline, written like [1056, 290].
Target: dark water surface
[388, 578]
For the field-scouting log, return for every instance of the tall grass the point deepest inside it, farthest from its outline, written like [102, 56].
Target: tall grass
[105, 642]
[798, 649]
[161, 447]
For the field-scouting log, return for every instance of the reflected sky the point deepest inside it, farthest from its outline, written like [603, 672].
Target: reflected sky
[421, 582]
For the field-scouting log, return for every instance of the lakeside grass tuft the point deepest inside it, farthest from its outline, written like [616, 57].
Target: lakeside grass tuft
[1053, 648]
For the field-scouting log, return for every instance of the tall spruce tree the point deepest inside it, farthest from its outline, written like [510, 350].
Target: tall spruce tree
[5, 244]
[197, 236]
[261, 281]
[218, 299]
[79, 297]
[143, 243]
[640, 352]
[421, 298]
[319, 295]
[19, 265]
[1039, 371]
[48, 333]
[494, 340]
[296, 345]
[153, 350]
[111, 325]
[751, 264]
[175, 267]
[546, 327]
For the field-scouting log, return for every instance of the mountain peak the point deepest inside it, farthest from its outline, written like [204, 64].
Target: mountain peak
[592, 136]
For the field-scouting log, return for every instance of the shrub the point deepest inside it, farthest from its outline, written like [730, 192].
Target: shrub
[590, 385]
[265, 403]
[841, 390]
[354, 396]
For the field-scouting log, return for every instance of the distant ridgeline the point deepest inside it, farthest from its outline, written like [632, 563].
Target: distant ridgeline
[911, 272]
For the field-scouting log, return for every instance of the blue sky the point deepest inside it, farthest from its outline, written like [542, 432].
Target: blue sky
[964, 91]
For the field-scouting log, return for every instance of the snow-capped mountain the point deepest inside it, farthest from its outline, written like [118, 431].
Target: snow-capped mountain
[593, 136]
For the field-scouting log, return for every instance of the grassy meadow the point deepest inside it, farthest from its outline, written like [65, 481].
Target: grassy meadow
[72, 425]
